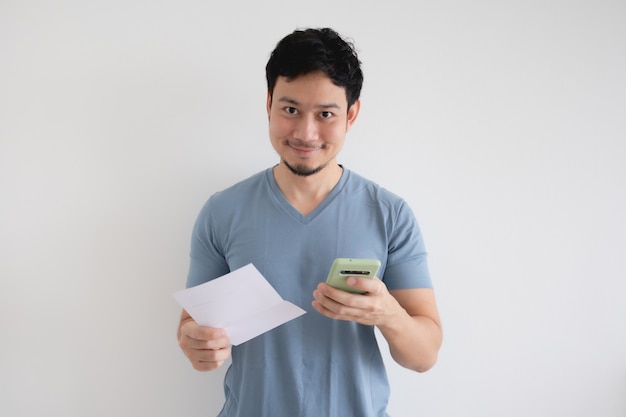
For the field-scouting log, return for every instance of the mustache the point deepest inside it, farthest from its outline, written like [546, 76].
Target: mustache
[304, 144]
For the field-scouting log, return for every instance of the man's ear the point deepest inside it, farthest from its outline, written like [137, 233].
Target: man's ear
[268, 104]
[353, 112]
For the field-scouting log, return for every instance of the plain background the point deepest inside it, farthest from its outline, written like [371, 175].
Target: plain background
[502, 123]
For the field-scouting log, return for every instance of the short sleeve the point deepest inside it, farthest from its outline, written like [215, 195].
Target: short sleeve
[407, 265]
[207, 261]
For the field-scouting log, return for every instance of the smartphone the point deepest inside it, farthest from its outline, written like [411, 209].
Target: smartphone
[343, 268]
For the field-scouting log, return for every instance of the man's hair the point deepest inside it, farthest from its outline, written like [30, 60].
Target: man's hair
[311, 50]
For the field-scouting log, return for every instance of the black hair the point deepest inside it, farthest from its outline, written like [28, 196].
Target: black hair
[310, 50]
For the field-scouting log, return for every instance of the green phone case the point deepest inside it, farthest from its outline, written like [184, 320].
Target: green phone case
[348, 267]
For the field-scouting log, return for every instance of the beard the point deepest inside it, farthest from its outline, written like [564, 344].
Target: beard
[303, 170]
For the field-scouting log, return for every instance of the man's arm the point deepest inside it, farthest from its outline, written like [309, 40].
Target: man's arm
[408, 319]
[415, 336]
[206, 348]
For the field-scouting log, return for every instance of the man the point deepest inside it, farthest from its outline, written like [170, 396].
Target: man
[291, 221]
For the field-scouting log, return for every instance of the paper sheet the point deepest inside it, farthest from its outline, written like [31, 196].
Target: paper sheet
[242, 302]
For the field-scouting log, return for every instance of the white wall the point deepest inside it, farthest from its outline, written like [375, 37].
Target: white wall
[502, 123]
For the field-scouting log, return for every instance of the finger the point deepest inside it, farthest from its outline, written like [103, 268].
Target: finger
[206, 333]
[367, 285]
[342, 297]
[213, 344]
[201, 337]
[207, 360]
[334, 308]
[211, 355]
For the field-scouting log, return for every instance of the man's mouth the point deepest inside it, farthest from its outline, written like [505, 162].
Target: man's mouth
[304, 146]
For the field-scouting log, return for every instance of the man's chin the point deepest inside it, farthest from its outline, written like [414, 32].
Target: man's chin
[303, 170]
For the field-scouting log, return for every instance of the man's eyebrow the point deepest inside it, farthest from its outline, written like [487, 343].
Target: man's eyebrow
[290, 100]
[328, 106]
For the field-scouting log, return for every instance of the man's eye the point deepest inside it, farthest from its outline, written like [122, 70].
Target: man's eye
[291, 110]
[326, 115]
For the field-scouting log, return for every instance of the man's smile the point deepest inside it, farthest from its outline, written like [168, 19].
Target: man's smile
[304, 148]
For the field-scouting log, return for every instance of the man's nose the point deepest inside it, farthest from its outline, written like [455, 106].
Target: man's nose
[306, 129]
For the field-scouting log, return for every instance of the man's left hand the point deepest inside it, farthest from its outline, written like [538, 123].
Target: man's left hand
[375, 308]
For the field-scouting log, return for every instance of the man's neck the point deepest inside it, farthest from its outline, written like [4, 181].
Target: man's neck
[305, 193]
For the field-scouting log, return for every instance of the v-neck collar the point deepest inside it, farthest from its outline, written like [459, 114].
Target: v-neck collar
[286, 205]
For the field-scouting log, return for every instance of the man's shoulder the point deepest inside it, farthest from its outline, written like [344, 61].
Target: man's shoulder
[243, 186]
[237, 195]
[358, 183]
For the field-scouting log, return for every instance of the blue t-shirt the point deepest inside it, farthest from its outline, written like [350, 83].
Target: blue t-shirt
[312, 366]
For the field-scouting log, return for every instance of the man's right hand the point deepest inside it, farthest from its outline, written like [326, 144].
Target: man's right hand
[206, 348]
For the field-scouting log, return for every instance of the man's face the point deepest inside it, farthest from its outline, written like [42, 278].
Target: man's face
[308, 121]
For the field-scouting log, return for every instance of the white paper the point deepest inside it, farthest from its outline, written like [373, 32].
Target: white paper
[242, 302]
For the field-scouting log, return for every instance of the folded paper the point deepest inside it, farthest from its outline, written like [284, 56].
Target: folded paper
[242, 302]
